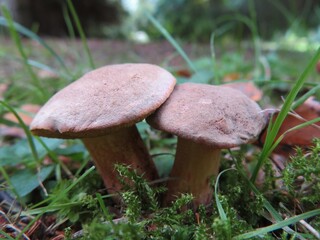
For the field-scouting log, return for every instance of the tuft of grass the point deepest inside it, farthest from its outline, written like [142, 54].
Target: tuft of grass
[41, 92]
[31, 35]
[272, 132]
[172, 41]
[289, 221]
[25, 129]
[81, 32]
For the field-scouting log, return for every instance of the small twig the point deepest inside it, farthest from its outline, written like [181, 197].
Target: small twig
[197, 215]
[266, 66]
[313, 231]
[54, 226]
[9, 228]
[40, 182]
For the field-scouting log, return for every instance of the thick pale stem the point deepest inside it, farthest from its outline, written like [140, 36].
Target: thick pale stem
[124, 146]
[193, 168]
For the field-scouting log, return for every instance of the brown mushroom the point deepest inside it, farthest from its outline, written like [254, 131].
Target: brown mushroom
[101, 108]
[206, 119]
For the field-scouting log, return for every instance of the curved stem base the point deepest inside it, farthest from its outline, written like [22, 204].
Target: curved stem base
[124, 146]
[193, 168]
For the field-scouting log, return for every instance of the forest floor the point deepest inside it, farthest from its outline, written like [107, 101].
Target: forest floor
[76, 206]
[103, 52]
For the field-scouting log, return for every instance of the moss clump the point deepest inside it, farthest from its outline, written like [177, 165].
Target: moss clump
[301, 176]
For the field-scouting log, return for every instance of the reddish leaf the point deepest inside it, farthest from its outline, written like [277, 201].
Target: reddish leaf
[184, 73]
[231, 77]
[26, 114]
[318, 67]
[3, 89]
[28, 110]
[302, 137]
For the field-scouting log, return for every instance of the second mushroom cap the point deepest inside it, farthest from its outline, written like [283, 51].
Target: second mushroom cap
[215, 116]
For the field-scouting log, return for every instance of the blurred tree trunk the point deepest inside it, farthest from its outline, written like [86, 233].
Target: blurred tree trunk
[12, 6]
[46, 16]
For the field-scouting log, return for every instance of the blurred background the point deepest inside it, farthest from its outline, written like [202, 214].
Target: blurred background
[263, 48]
[191, 20]
[208, 41]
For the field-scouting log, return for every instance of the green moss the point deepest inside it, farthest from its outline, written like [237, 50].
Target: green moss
[79, 204]
[301, 175]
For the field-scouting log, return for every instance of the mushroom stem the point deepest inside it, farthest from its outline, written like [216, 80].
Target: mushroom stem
[123, 146]
[193, 168]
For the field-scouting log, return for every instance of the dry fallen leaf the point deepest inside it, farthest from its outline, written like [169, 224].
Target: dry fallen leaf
[45, 74]
[231, 77]
[318, 67]
[183, 73]
[26, 114]
[3, 89]
[303, 137]
[248, 88]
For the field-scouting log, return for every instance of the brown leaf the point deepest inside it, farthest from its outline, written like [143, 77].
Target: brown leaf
[184, 73]
[26, 114]
[231, 77]
[3, 89]
[303, 137]
[318, 67]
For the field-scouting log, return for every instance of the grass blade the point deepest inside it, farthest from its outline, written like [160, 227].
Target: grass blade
[68, 22]
[278, 225]
[81, 32]
[8, 237]
[251, 25]
[45, 67]
[173, 42]
[221, 211]
[255, 35]
[15, 37]
[6, 177]
[26, 32]
[305, 96]
[273, 212]
[25, 129]
[35, 209]
[271, 135]
[105, 211]
[74, 183]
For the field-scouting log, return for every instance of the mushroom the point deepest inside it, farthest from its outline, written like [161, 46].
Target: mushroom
[101, 108]
[206, 119]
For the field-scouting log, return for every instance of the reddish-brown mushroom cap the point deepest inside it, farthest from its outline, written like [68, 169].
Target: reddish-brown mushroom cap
[102, 108]
[104, 100]
[211, 115]
[205, 118]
